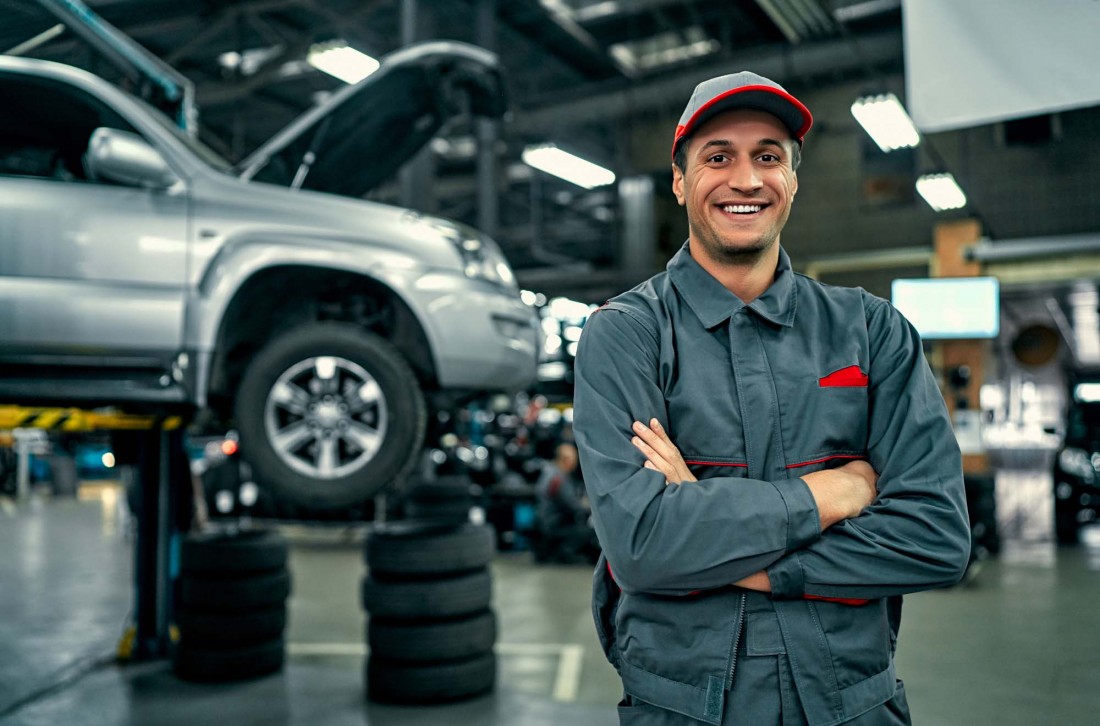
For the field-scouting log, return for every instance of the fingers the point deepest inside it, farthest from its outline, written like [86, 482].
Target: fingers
[656, 438]
[658, 448]
[653, 457]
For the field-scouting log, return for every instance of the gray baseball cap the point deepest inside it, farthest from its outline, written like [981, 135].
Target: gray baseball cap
[742, 90]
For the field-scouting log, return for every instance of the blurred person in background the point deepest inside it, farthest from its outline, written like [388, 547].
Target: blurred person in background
[563, 530]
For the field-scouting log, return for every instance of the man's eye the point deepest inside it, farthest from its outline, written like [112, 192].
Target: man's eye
[769, 158]
[717, 158]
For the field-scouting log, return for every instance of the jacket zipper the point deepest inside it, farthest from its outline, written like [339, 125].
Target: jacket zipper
[736, 641]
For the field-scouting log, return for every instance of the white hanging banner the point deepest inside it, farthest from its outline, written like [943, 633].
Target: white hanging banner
[972, 62]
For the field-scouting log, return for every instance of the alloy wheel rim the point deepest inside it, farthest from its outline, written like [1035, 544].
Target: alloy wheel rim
[326, 417]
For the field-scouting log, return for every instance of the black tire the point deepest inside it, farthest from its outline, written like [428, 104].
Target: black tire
[426, 642]
[425, 599]
[215, 665]
[444, 489]
[398, 389]
[424, 547]
[222, 553]
[236, 594]
[395, 682]
[454, 512]
[230, 629]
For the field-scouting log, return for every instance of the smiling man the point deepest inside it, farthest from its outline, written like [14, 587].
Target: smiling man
[768, 459]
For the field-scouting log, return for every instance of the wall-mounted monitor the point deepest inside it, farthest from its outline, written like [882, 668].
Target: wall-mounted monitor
[950, 307]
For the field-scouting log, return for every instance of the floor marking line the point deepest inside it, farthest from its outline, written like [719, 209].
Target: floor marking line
[545, 649]
[359, 649]
[568, 680]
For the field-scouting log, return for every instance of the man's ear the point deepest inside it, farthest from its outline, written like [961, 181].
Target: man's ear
[794, 184]
[678, 184]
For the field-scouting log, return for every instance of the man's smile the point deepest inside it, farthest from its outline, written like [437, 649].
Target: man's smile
[741, 211]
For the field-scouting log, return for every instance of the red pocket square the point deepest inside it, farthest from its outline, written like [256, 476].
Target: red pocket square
[850, 376]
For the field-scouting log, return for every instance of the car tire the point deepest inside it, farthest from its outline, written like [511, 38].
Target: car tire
[391, 681]
[216, 553]
[231, 629]
[433, 640]
[363, 445]
[425, 547]
[427, 599]
[218, 665]
[234, 594]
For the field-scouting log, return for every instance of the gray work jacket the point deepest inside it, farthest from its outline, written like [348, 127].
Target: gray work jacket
[805, 377]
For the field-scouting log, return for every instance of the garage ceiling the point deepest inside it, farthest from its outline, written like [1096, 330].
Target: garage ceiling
[579, 72]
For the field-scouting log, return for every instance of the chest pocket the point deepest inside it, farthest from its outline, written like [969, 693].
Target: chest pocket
[701, 395]
[837, 408]
[825, 406]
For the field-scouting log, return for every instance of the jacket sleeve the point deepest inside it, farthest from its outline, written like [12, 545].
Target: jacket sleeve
[916, 534]
[658, 538]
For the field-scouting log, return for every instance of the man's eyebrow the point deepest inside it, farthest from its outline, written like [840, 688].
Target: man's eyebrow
[727, 143]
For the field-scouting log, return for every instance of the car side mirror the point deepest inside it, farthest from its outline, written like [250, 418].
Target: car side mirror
[126, 158]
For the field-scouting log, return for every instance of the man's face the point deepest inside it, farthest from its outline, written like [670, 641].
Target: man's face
[737, 184]
[567, 458]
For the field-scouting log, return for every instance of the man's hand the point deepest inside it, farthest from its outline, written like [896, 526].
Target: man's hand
[660, 453]
[842, 493]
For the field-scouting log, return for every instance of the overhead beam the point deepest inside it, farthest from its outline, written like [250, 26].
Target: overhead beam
[610, 101]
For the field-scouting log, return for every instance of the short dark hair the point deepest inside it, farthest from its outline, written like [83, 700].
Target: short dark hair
[680, 157]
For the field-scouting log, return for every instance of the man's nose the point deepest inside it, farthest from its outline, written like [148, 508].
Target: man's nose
[744, 176]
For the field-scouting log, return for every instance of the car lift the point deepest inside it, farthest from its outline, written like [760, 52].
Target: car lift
[153, 444]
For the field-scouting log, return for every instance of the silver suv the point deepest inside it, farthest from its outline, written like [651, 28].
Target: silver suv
[138, 268]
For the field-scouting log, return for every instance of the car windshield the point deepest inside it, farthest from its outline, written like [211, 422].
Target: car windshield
[200, 149]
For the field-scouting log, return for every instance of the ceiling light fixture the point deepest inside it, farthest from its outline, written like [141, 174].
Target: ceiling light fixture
[552, 160]
[941, 191]
[339, 59]
[885, 119]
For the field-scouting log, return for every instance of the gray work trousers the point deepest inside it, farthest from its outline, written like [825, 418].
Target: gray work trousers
[763, 691]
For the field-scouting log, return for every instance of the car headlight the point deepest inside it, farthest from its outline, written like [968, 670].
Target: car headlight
[1076, 462]
[482, 259]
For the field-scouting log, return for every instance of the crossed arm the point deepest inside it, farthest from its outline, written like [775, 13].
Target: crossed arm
[839, 494]
[814, 535]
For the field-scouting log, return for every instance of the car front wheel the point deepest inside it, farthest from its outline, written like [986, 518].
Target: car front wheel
[329, 415]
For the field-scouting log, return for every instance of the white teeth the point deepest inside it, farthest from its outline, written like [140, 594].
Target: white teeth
[741, 208]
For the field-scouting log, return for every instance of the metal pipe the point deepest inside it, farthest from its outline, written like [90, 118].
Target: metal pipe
[795, 9]
[1032, 247]
[873, 260]
[817, 17]
[31, 43]
[130, 57]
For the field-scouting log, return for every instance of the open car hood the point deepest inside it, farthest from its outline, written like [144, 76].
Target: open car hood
[365, 132]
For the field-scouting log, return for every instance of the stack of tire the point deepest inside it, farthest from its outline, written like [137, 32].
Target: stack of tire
[447, 498]
[231, 611]
[431, 628]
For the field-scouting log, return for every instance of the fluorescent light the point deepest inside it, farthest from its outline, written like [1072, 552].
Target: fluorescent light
[552, 160]
[1087, 392]
[941, 191]
[885, 119]
[342, 61]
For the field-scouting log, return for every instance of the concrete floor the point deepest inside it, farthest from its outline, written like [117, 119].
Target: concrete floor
[1013, 646]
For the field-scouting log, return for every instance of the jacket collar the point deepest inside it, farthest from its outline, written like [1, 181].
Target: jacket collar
[713, 303]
